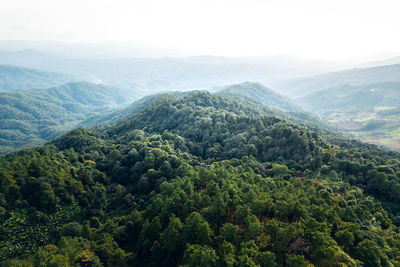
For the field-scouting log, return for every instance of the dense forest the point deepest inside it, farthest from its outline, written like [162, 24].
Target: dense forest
[32, 117]
[259, 93]
[200, 180]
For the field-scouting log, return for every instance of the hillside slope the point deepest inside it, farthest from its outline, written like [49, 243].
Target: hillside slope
[17, 78]
[200, 180]
[353, 77]
[256, 92]
[369, 112]
[266, 101]
[29, 118]
[353, 98]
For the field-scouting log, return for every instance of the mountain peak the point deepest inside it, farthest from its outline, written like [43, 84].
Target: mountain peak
[257, 92]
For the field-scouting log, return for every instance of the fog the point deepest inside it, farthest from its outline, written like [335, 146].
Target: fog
[328, 30]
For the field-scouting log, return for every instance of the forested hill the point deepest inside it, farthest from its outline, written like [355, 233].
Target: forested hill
[32, 117]
[256, 97]
[201, 180]
[17, 78]
[257, 92]
[116, 116]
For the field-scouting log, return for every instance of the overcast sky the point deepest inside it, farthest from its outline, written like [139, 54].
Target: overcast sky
[336, 29]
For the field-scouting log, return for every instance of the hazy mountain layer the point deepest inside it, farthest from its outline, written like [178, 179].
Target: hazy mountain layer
[31, 117]
[258, 93]
[369, 112]
[17, 78]
[353, 77]
[151, 75]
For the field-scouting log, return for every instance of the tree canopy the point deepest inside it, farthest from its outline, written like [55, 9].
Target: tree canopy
[201, 180]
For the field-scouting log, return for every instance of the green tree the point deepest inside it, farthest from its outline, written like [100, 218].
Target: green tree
[201, 256]
[197, 230]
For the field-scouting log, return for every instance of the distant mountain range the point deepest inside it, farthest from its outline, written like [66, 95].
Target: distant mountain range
[151, 75]
[369, 112]
[349, 98]
[17, 78]
[353, 77]
[389, 61]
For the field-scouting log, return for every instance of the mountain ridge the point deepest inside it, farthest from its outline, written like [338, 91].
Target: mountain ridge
[13, 78]
[353, 77]
[202, 179]
[259, 93]
[31, 117]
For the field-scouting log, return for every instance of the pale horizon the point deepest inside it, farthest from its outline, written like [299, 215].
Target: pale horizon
[325, 30]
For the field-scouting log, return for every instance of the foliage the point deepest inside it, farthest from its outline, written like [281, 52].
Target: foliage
[32, 117]
[200, 181]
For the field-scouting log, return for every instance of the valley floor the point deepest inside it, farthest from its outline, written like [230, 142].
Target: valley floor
[378, 126]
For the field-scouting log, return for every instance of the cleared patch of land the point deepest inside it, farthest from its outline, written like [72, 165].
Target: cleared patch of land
[378, 125]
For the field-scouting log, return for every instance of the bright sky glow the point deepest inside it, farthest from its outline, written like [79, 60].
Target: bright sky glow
[335, 29]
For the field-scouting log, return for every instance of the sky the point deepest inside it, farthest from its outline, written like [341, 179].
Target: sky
[320, 29]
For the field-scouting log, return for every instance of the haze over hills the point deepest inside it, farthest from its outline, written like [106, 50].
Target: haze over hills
[363, 102]
[304, 86]
[145, 76]
[369, 112]
[31, 117]
[151, 75]
[389, 61]
[17, 78]
[352, 98]
[258, 93]
[109, 49]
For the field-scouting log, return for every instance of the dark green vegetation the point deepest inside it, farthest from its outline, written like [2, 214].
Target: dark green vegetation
[370, 112]
[257, 92]
[30, 117]
[117, 115]
[14, 78]
[200, 181]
